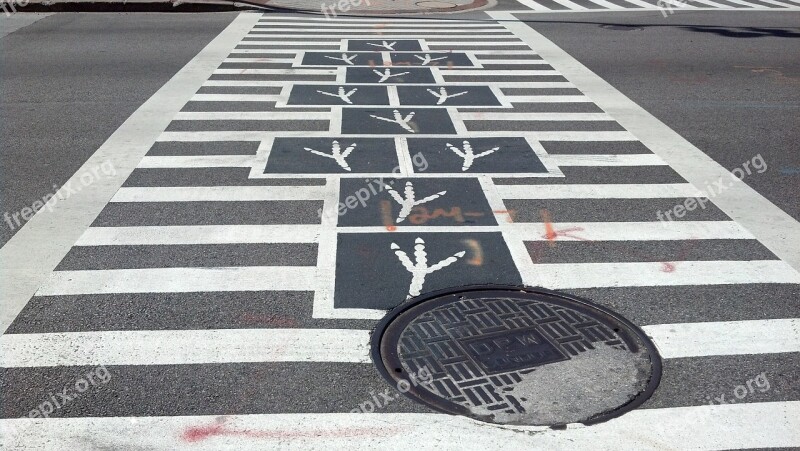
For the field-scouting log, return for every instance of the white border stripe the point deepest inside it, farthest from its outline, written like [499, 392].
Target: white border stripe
[252, 116]
[336, 345]
[706, 427]
[652, 274]
[599, 191]
[164, 347]
[643, 159]
[218, 193]
[726, 338]
[500, 116]
[201, 234]
[179, 280]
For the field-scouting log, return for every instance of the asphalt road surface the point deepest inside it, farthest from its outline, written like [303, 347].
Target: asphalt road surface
[228, 196]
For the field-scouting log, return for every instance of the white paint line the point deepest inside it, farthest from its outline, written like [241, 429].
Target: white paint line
[28, 258]
[442, 46]
[646, 159]
[218, 193]
[497, 84]
[201, 234]
[726, 338]
[236, 97]
[262, 135]
[502, 116]
[654, 274]
[179, 280]
[549, 99]
[338, 345]
[392, 34]
[165, 347]
[774, 228]
[630, 231]
[251, 116]
[497, 73]
[197, 161]
[704, 427]
[599, 191]
[275, 71]
[572, 6]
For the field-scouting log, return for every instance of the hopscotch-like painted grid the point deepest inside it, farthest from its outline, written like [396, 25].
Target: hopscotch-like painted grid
[224, 249]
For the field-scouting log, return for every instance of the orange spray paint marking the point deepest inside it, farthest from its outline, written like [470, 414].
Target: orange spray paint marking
[549, 233]
[386, 215]
[477, 252]
[510, 213]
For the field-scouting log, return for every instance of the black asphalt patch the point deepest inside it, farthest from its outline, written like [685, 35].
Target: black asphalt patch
[370, 274]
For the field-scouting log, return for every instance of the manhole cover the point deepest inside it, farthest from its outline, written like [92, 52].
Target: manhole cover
[514, 355]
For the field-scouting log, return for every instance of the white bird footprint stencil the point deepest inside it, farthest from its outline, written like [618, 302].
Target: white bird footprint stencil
[407, 201]
[384, 44]
[387, 74]
[420, 269]
[336, 153]
[443, 96]
[399, 120]
[468, 155]
[345, 96]
[345, 58]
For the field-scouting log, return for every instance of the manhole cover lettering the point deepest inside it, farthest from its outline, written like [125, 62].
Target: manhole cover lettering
[512, 350]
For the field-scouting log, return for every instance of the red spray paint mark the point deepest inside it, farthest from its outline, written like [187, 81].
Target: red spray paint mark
[198, 433]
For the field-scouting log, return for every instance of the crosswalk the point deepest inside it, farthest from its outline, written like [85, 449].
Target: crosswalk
[230, 284]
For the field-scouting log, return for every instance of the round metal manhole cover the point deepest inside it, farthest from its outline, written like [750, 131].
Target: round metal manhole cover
[512, 355]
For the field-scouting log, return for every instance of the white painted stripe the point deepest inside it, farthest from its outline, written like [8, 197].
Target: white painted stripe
[571, 5]
[392, 34]
[338, 345]
[179, 280]
[705, 427]
[726, 338]
[275, 71]
[502, 116]
[235, 97]
[498, 84]
[548, 99]
[35, 250]
[497, 73]
[198, 161]
[217, 193]
[599, 191]
[165, 347]
[262, 135]
[652, 274]
[200, 234]
[251, 115]
[630, 231]
[645, 159]
[445, 45]
[246, 60]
